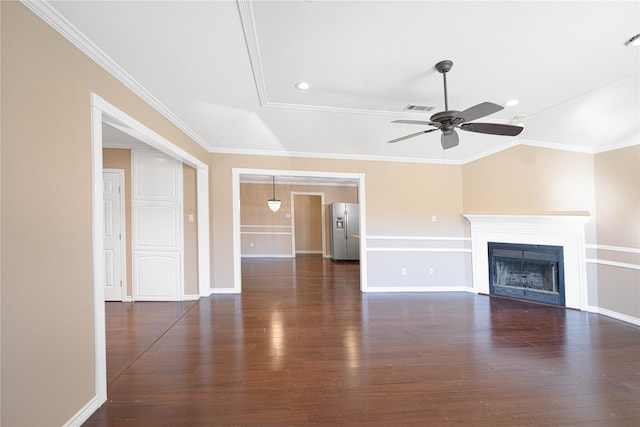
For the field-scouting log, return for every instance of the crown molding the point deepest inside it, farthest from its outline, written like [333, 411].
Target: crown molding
[339, 156]
[59, 23]
[509, 144]
[470, 159]
[579, 149]
[331, 156]
[529, 143]
[346, 110]
[615, 146]
[556, 146]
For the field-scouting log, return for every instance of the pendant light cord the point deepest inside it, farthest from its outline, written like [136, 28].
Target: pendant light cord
[274, 188]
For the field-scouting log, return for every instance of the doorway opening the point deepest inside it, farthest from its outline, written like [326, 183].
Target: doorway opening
[308, 217]
[327, 179]
[103, 112]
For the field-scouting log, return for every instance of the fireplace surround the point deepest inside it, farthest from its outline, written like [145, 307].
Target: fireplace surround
[562, 230]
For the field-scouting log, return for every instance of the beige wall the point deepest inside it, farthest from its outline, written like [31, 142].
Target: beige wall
[47, 312]
[525, 180]
[46, 210]
[0, 227]
[607, 185]
[400, 201]
[257, 218]
[189, 201]
[308, 213]
[531, 180]
[617, 190]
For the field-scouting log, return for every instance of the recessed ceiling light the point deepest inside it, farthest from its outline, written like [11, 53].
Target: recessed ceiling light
[511, 102]
[302, 85]
[633, 41]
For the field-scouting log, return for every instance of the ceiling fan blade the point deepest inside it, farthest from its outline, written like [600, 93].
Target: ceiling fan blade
[492, 128]
[402, 138]
[477, 111]
[416, 122]
[449, 140]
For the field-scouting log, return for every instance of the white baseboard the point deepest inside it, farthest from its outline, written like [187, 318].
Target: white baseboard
[83, 414]
[266, 256]
[309, 252]
[190, 297]
[224, 291]
[423, 289]
[614, 314]
[372, 289]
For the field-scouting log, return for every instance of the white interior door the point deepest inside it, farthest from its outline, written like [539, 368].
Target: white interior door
[113, 193]
[157, 227]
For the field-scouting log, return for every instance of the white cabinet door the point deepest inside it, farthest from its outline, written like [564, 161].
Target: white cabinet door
[157, 227]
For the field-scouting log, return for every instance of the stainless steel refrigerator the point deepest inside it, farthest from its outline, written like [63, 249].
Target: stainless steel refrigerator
[345, 224]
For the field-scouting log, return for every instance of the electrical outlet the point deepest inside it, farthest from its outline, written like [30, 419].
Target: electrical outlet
[430, 270]
[434, 218]
[250, 244]
[403, 271]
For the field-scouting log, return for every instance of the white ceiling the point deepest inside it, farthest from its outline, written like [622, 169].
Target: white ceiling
[225, 71]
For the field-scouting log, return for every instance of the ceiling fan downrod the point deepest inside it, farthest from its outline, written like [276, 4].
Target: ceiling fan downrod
[443, 67]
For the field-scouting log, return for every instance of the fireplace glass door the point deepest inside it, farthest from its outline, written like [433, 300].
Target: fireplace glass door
[527, 272]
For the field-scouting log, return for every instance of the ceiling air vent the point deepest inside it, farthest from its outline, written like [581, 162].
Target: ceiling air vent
[418, 108]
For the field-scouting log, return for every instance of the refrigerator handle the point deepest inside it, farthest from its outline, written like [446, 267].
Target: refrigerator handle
[346, 225]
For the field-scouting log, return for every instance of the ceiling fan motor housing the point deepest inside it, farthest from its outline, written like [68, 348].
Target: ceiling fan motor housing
[447, 120]
[444, 116]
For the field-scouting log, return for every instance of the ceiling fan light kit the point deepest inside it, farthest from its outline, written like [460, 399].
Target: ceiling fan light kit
[448, 120]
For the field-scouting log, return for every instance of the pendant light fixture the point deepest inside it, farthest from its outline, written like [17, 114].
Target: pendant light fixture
[274, 204]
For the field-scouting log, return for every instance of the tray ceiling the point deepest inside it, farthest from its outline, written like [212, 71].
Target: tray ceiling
[226, 70]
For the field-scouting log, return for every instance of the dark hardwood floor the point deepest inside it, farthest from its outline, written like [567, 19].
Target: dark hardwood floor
[302, 345]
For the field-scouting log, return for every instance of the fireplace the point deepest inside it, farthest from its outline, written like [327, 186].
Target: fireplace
[564, 230]
[527, 272]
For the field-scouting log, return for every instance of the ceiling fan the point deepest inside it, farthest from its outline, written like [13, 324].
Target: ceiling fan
[447, 121]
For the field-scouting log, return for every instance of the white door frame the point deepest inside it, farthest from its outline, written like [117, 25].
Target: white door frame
[293, 221]
[101, 110]
[123, 229]
[235, 206]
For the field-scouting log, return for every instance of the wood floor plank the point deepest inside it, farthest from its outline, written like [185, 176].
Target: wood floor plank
[302, 345]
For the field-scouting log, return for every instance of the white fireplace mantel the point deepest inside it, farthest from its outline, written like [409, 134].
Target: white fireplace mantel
[556, 230]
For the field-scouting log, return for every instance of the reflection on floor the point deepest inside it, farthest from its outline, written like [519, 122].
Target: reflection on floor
[302, 345]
